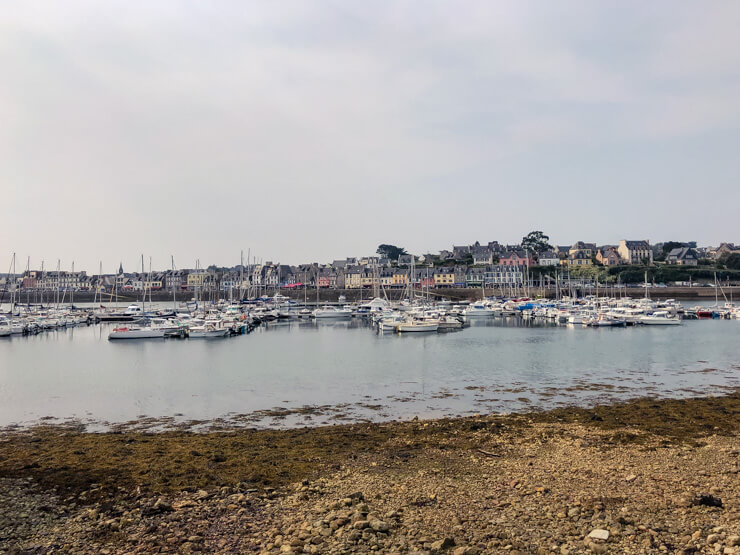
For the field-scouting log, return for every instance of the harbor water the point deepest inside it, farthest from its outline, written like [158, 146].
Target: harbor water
[297, 373]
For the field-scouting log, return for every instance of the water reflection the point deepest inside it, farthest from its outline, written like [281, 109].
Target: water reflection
[501, 364]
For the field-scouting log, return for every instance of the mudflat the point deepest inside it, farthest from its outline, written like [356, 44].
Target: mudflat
[644, 476]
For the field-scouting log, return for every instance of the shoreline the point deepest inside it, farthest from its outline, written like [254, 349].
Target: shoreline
[530, 482]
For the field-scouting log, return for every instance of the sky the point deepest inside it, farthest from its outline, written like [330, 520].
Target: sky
[303, 131]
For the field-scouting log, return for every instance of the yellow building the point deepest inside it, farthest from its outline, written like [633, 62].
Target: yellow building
[579, 259]
[444, 278]
[196, 279]
[400, 278]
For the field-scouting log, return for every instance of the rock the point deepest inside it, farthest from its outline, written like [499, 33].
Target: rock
[597, 547]
[465, 550]
[445, 543]
[733, 541]
[574, 512]
[599, 534]
[712, 539]
[630, 478]
[707, 500]
[162, 506]
[379, 526]
[360, 524]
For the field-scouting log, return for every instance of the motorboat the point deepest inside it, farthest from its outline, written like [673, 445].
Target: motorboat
[416, 326]
[208, 330]
[478, 310]
[660, 318]
[137, 332]
[330, 312]
[449, 323]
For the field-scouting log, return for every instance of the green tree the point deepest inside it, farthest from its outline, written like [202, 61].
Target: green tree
[536, 242]
[733, 261]
[390, 252]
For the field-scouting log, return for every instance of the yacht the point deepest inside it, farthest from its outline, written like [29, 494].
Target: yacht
[5, 329]
[136, 332]
[207, 331]
[478, 310]
[660, 318]
[331, 312]
[415, 326]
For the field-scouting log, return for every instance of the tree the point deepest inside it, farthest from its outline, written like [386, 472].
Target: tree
[733, 261]
[390, 252]
[536, 242]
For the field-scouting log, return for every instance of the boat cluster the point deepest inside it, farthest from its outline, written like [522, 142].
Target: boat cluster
[215, 321]
[223, 319]
[425, 316]
[25, 321]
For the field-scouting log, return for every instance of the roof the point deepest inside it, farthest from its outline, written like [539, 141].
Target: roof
[637, 244]
[682, 252]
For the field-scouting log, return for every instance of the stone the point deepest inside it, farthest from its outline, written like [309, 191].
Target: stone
[465, 550]
[445, 543]
[379, 526]
[733, 541]
[599, 534]
[707, 500]
[712, 539]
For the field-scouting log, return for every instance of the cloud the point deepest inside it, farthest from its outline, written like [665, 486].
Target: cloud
[308, 129]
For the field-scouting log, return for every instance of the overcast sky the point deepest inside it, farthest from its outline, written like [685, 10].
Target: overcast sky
[308, 131]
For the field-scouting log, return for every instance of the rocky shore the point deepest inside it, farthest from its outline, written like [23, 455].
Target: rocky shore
[641, 477]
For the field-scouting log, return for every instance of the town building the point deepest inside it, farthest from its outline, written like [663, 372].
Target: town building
[608, 256]
[682, 256]
[635, 252]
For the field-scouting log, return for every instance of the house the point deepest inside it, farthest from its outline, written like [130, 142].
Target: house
[503, 275]
[608, 256]
[580, 246]
[386, 278]
[562, 251]
[459, 253]
[367, 279]
[579, 258]
[445, 255]
[353, 277]
[424, 277]
[516, 258]
[682, 256]
[405, 259]
[444, 277]
[495, 247]
[635, 252]
[726, 249]
[400, 278]
[326, 278]
[548, 258]
[482, 255]
[475, 277]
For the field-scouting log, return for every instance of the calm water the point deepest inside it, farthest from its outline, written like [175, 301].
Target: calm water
[353, 373]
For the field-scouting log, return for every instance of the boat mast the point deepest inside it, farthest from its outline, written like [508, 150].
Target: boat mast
[59, 269]
[174, 299]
